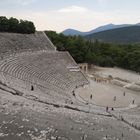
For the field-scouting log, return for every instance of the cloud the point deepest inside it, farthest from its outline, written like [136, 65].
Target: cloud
[58, 21]
[72, 17]
[103, 1]
[25, 2]
[73, 9]
[20, 2]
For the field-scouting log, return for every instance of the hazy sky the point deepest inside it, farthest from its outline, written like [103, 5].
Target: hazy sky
[83, 15]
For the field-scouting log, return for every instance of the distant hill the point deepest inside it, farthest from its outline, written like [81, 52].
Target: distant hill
[73, 32]
[130, 34]
[99, 29]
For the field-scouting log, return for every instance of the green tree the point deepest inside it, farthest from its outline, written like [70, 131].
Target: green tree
[16, 26]
[26, 27]
[13, 24]
[4, 24]
[103, 54]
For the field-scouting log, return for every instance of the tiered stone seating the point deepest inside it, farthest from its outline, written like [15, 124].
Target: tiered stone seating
[11, 43]
[32, 60]
[47, 70]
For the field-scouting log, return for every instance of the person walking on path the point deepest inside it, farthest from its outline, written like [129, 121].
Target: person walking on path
[133, 102]
[124, 94]
[107, 109]
[73, 93]
[114, 98]
[91, 96]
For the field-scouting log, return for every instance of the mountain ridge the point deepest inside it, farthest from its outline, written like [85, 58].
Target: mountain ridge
[106, 27]
[130, 34]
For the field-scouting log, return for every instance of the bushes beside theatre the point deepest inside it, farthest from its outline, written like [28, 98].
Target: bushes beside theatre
[14, 25]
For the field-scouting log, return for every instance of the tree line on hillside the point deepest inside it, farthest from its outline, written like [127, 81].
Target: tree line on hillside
[102, 54]
[14, 25]
[125, 35]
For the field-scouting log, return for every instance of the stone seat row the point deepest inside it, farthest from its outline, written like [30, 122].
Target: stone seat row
[46, 69]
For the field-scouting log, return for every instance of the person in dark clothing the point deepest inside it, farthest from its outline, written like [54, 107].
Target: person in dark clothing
[107, 109]
[91, 96]
[73, 93]
[133, 101]
[114, 98]
[32, 88]
[124, 94]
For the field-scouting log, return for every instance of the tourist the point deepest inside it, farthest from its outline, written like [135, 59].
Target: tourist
[107, 109]
[133, 101]
[56, 137]
[73, 93]
[122, 135]
[91, 96]
[32, 87]
[124, 94]
[114, 98]
[83, 137]
[122, 119]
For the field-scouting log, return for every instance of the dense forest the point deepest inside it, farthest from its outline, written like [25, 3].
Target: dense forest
[14, 25]
[123, 35]
[99, 53]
